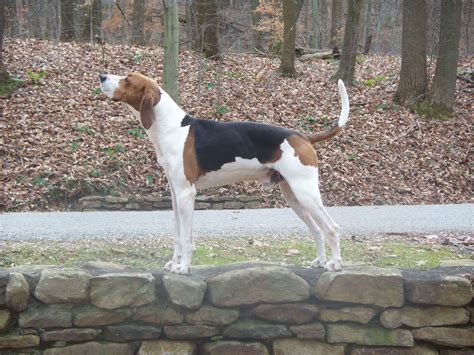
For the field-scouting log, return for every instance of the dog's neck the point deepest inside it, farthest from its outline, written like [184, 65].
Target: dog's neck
[168, 115]
[166, 131]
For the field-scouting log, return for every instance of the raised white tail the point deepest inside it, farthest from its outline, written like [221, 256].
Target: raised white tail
[343, 117]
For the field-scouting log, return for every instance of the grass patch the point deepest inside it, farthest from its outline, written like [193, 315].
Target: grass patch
[10, 85]
[374, 80]
[414, 256]
[147, 253]
[234, 75]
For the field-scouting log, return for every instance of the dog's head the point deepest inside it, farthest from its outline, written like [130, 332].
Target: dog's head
[136, 90]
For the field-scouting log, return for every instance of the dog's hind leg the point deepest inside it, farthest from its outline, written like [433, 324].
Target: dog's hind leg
[333, 240]
[331, 229]
[310, 200]
[306, 192]
[298, 167]
[306, 217]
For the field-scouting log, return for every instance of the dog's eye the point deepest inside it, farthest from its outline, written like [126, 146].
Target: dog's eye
[127, 82]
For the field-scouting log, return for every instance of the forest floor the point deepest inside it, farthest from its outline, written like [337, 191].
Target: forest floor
[62, 139]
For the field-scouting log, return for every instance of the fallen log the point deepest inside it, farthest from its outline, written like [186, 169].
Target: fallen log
[327, 54]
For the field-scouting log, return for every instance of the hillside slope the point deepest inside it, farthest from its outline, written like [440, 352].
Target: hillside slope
[62, 139]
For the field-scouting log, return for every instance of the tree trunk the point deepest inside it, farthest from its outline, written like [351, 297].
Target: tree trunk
[467, 11]
[34, 23]
[93, 21]
[368, 44]
[314, 24]
[19, 17]
[190, 26]
[442, 92]
[138, 20]
[336, 21]
[207, 17]
[324, 24]
[346, 69]
[378, 25]
[291, 10]
[3, 72]
[365, 43]
[257, 34]
[413, 78]
[170, 65]
[48, 20]
[67, 20]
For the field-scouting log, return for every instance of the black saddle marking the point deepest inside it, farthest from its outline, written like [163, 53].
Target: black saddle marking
[218, 143]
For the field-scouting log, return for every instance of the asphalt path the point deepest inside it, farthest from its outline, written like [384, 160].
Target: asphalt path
[366, 220]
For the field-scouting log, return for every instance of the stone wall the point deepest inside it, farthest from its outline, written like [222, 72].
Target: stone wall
[140, 203]
[238, 309]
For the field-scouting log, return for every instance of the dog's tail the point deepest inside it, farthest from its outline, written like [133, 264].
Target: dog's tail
[344, 116]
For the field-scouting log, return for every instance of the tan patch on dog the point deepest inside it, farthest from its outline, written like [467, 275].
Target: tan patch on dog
[140, 92]
[275, 156]
[304, 150]
[192, 171]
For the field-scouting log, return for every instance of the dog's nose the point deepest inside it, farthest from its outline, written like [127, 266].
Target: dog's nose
[102, 78]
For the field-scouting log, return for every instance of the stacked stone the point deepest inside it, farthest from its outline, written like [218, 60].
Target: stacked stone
[140, 203]
[238, 309]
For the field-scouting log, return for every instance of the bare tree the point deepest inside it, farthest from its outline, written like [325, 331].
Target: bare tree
[346, 69]
[336, 20]
[207, 16]
[324, 25]
[314, 24]
[442, 91]
[67, 20]
[291, 10]
[138, 22]
[3, 72]
[33, 18]
[92, 21]
[257, 34]
[468, 12]
[413, 77]
[19, 23]
[170, 65]
[367, 36]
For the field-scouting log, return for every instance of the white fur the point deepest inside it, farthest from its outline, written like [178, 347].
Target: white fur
[229, 173]
[169, 138]
[344, 116]
[304, 197]
[108, 87]
[300, 187]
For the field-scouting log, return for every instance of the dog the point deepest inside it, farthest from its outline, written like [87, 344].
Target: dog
[199, 154]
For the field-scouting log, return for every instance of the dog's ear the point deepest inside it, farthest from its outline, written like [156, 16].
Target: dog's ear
[146, 107]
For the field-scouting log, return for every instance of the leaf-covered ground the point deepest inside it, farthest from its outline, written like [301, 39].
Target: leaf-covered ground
[62, 139]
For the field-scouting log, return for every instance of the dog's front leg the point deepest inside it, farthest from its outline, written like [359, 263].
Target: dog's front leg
[185, 208]
[177, 252]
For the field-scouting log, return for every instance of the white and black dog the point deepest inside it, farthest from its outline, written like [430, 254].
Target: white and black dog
[198, 154]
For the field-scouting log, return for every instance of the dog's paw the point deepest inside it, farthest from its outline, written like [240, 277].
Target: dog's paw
[318, 262]
[181, 269]
[169, 265]
[334, 266]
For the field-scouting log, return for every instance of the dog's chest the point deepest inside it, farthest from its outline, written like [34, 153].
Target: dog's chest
[237, 171]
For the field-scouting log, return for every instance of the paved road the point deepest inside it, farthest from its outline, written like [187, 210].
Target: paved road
[366, 220]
